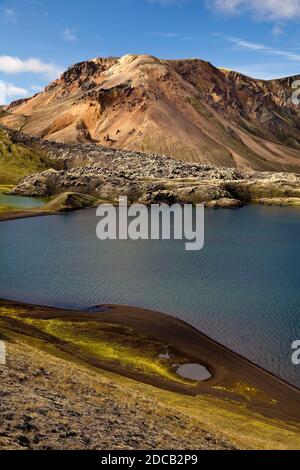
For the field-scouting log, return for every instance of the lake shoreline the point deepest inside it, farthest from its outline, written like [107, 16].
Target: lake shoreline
[15, 215]
[234, 378]
[6, 216]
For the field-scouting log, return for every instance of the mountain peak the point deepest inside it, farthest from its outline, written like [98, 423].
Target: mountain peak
[185, 108]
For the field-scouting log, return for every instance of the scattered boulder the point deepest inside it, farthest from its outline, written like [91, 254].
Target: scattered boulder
[224, 203]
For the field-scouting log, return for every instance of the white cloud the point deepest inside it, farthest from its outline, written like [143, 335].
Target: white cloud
[15, 65]
[277, 30]
[265, 9]
[228, 6]
[69, 35]
[12, 90]
[9, 91]
[10, 16]
[243, 44]
[264, 71]
[271, 10]
[166, 35]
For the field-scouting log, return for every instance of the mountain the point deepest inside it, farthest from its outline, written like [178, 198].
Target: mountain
[187, 109]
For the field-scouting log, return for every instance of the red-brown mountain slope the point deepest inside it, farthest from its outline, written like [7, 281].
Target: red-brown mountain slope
[187, 109]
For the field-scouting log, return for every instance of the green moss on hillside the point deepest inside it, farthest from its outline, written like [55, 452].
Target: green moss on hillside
[17, 160]
[110, 344]
[95, 345]
[199, 107]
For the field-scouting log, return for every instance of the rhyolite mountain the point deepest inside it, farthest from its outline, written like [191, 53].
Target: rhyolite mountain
[187, 109]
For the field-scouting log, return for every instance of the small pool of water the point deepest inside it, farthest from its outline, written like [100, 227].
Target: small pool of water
[194, 372]
[20, 202]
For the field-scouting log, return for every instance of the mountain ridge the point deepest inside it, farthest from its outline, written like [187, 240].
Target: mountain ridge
[187, 109]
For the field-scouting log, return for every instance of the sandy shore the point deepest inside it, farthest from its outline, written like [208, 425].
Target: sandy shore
[233, 377]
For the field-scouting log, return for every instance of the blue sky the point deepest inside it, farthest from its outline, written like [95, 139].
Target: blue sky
[40, 38]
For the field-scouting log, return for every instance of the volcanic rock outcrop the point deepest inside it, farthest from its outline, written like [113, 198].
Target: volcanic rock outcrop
[106, 173]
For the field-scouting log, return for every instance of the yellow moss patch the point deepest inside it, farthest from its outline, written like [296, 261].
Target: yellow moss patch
[112, 344]
[247, 391]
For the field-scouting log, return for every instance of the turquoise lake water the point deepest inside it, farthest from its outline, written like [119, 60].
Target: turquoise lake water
[242, 289]
[20, 202]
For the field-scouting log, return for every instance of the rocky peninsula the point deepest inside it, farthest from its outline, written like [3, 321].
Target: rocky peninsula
[104, 174]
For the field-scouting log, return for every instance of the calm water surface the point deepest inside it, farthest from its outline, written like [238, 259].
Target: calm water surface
[242, 289]
[20, 202]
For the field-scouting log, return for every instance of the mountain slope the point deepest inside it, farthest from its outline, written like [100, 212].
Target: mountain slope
[18, 160]
[187, 109]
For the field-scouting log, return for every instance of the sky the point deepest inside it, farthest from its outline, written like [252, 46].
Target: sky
[39, 39]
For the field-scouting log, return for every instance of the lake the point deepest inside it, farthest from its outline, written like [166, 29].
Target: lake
[242, 289]
[20, 202]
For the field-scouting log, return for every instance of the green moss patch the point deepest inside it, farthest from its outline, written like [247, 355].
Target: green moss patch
[113, 344]
[17, 160]
[199, 107]
[108, 345]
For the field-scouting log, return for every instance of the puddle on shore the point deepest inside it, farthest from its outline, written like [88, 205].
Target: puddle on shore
[194, 372]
